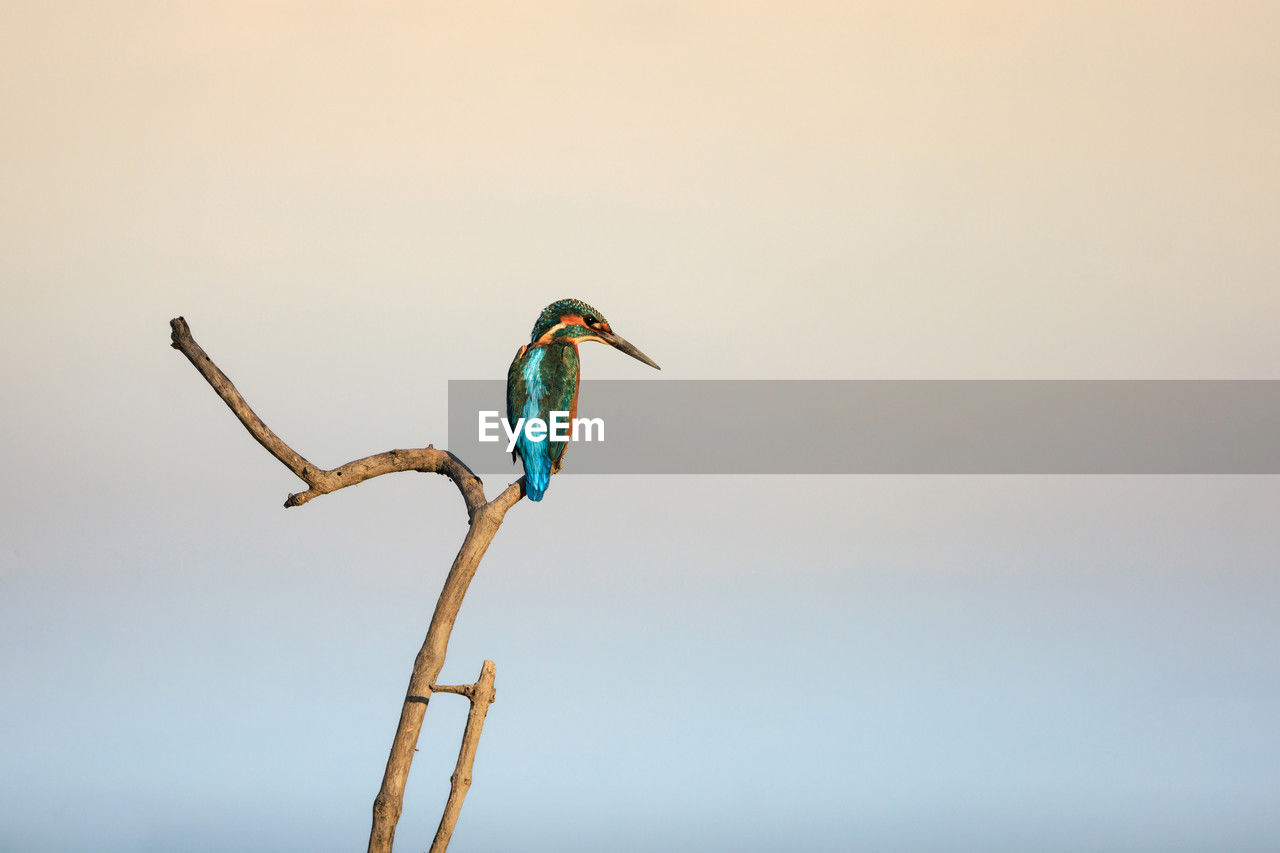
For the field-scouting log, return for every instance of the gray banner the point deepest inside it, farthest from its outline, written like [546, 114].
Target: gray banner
[902, 427]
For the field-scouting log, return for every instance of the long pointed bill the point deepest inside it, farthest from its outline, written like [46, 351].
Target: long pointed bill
[623, 344]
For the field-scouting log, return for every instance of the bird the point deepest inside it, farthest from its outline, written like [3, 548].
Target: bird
[543, 378]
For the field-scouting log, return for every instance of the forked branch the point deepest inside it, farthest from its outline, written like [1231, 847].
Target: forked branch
[481, 695]
[485, 518]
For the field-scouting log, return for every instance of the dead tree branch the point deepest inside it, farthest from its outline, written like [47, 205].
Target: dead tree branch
[390, 800]
[323, 481]
[481, 695]
[485, 518]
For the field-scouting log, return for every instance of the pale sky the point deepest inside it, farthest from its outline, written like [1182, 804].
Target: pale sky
[353, 203]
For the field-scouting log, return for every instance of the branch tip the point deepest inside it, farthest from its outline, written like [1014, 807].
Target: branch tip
[178, 329]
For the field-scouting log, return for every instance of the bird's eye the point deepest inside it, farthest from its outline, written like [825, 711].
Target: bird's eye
[590, 320]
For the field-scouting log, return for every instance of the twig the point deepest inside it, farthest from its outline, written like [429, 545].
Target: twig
[481, 695]
[467, 690]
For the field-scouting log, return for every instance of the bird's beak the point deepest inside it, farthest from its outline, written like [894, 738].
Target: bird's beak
[623, 344]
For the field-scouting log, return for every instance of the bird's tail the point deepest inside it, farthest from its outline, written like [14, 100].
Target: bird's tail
[537, 466]
[536, 482]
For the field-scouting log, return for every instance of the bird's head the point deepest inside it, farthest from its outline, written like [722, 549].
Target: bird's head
[576, 321]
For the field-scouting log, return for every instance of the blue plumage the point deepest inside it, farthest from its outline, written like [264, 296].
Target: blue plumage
[543, 378]
[535, 454]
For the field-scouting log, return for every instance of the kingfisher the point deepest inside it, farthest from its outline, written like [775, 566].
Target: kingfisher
[543, 378]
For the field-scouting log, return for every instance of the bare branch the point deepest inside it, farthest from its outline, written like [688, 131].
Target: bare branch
[321, 481]
[184, 343]
[482, 696]
[430, 660]
[427, 460]
[485, 518]
[461, 689]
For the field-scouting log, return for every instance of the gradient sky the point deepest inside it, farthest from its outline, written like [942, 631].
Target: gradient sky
[352, 203]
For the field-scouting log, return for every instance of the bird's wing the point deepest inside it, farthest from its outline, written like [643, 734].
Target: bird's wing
[562, 395]
[517, 392]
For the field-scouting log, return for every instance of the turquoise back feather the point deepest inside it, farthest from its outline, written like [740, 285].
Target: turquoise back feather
[542, 379]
